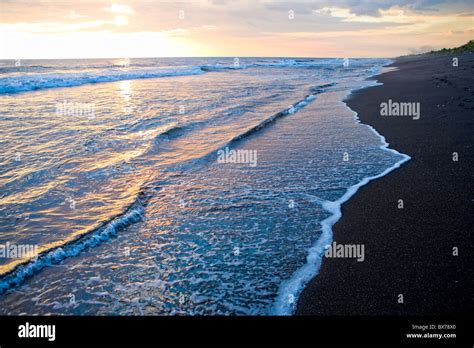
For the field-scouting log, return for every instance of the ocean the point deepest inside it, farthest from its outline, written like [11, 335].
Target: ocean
[193, 186]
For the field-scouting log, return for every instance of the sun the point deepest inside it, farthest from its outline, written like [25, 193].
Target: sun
[121, 20]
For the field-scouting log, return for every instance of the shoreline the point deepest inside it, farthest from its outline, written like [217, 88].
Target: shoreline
[296, 284]
[343, 287]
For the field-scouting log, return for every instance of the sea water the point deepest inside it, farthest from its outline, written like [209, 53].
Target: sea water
[111, 170]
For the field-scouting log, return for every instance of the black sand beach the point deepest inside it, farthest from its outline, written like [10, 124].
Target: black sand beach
[409, 251]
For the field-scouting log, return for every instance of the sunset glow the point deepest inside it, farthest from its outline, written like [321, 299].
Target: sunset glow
[89, 29]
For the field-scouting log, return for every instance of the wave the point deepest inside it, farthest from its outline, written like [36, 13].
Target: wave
[74, 247]
[291, 109]
[218, 67]
[33, 68]
[263, 63]
[129, 216]
[35, 82]
[278, 63]
[197, 163]
[169, 133]
[321, 88]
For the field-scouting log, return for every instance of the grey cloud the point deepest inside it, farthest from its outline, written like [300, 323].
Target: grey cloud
[364, 7]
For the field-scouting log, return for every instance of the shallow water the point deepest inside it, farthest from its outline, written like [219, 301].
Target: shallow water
[166, 228]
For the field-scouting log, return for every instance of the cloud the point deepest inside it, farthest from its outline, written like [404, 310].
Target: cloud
[365, 7]
[120, 9]
[393, 15]
[74, 15]
[250, 27]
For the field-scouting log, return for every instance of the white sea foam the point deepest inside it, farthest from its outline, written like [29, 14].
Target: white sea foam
[31, 82]
[71, 249]
[292, 288]
[37, 81]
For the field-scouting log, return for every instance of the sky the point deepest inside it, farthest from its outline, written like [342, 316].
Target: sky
[233, 28]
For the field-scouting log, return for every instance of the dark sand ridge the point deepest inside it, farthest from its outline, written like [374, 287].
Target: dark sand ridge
[409, 251]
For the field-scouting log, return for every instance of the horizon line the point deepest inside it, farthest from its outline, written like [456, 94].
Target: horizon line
[236, 56]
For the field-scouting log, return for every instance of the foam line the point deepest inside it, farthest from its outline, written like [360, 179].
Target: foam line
[35, 82]
[73, 248]
[290, 290]
[268, 121]
[113, 73]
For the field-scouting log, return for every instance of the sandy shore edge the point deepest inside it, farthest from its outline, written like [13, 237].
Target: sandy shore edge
[409, 251]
